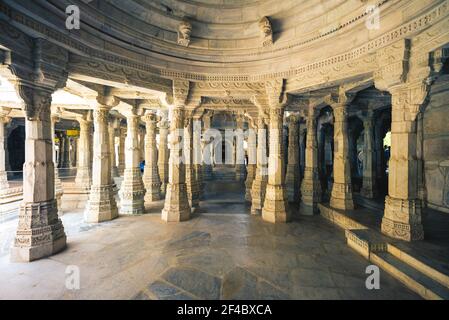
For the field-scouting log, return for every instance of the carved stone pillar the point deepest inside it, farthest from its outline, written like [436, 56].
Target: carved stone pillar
[142, 143]
[252, 160]
[191, 183]
[163, 154]
[65, 152]
[293, 173]
[341, 196]
[58, 185]
[101, 205]
[176, 207]
[132, 191]
[310, 186]
[121, 150]
[240, 169]
[402, 216]
[151, 178]
[369, 170]
[83, 178]
[275, 208]
[112, 132]
[260, 180]
[207, 150]
[40, 232]
[197, 156]
[4, 185]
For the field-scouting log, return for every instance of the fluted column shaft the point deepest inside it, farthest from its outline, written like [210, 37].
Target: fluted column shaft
[260, 180]
[101, 205]
[84, 168]
[252, 160]
[275, 208]
[341, 196]
[293, 173]
[151, 178]
[310, 186]
[176, 207]
[369, 173]
[132, 191]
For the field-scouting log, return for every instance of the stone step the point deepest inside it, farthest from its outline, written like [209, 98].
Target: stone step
[416, 275]
[415, 280]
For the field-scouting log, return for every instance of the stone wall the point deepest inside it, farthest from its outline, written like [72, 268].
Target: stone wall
[436, 146]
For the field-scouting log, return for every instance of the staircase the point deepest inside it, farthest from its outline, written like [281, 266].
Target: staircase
[417, 275]
[225, 173]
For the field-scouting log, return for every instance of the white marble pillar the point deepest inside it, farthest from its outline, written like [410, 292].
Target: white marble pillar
[4, 185]
[341, 195]
[176, 207]
[132, 191]
[163, 153]
[40, 232]
[402, 216]
[112, 133]
[190, 180]
[260, 180]
[292, 175]
[58, 184]
[121, 150]
[369, 170]
[310, 185]
[240, 169]
[197, 156]
[151, 178]
[252, 160]
[83, 179]
[275, 208]
[101, 205]
[207, 149]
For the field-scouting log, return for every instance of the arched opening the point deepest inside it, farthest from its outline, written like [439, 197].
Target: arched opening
[382, 141]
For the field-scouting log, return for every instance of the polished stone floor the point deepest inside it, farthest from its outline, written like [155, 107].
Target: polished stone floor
[221, 253]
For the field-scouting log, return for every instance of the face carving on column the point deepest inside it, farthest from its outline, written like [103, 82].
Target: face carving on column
[266, 31]
[184, 31]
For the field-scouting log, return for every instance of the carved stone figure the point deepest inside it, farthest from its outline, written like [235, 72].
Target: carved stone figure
[266, 31]
[184, 31]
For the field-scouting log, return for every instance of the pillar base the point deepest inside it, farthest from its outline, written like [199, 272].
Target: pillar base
[275, 208]
[132, 192]
[291, 183]
[101, 205]
[308, 209]
[153, 191]
[368, 193]
[402, 219]
[258, 195]
[46, 238]
[176, 207]
[341, 197]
